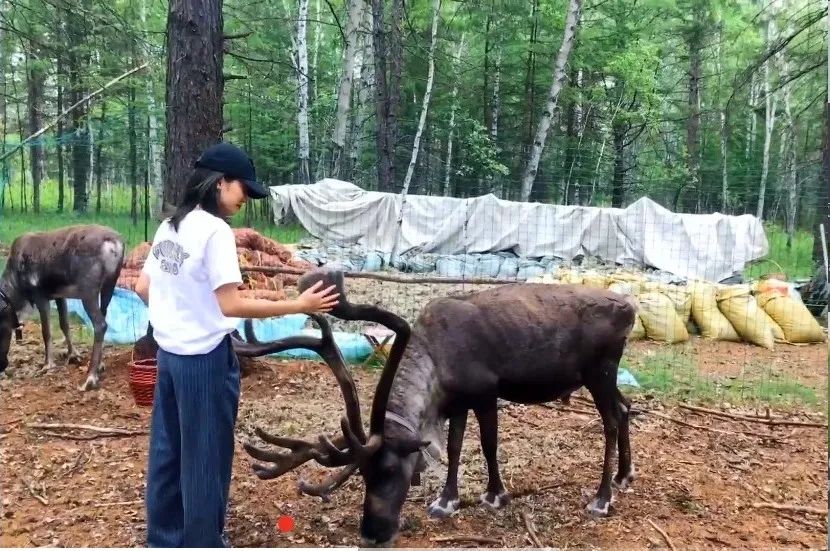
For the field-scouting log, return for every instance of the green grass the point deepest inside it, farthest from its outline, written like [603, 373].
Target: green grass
[115, 214]
[795, 262]
[669, 374]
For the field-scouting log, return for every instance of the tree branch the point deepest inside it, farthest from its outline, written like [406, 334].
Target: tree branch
[336, 20]
[71, 108]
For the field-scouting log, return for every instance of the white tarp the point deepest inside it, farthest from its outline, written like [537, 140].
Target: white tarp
[707, 246]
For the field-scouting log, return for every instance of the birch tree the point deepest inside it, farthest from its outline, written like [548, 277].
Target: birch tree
[571, 24]
[453, 108]
[436, 8]
[771, 104]
[341, 117]
[302, 93]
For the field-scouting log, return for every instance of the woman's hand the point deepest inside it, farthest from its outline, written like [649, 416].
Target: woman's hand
[312, 300]
[234, 305]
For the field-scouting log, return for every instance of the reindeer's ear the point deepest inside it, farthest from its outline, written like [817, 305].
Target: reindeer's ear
[405, 447]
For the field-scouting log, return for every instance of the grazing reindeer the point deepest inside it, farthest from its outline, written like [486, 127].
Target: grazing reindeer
[527, 343]
[81, 262]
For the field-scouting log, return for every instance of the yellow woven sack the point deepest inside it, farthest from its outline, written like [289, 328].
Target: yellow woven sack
[596, 280]
[680, 296]
[660, 318]
[627, 289]
[635, 281]
[748, 319]
[706, 315]
[570, 276]
[798, 325]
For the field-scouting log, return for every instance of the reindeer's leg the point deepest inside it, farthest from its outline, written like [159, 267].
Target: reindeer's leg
[606, 402]
[63, 317]
[42, 305]
[99, 325]
[488, 423]
[625, 472]
[447, 503]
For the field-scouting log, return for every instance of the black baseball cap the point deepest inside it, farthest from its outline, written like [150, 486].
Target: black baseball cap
[233, 163]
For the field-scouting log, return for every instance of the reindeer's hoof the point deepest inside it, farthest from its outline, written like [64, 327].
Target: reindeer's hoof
[47, 367]
[598, 507]
[623, 482]
[443, 507]
[91, 383]
[73, 358]
[495, 501]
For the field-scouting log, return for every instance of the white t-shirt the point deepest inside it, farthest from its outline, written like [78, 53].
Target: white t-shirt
[184, 268]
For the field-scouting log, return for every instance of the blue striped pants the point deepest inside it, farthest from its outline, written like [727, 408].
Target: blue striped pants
[191, 448]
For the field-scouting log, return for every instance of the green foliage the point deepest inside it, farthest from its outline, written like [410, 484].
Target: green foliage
[795, 261]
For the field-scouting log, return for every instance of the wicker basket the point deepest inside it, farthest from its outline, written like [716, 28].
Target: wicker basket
[143, 380]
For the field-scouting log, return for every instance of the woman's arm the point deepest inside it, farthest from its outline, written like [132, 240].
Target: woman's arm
[234, 305]
[142, 287]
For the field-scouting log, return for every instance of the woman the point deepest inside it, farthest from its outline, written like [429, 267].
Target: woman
[189, 281]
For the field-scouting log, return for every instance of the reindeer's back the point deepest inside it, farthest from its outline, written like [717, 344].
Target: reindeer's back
[71, 249]
[513, 328]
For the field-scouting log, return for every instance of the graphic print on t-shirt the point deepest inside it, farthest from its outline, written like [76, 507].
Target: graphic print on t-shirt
[170, 256]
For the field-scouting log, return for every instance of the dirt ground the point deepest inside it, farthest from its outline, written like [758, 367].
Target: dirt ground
[698, 486]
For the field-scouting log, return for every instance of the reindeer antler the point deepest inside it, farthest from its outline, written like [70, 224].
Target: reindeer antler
[353, 449]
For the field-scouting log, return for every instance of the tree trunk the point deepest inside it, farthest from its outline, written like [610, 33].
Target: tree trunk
[571, 195]
[366, 76]
[570, 149]
[194, 88]
[693, 122]
[723, 131]
[21, 130]
[787, 162]
[571, 23]
[771, 103]
[384, 153]
[318, 28]
[59, 130]
[99, 168]
[153, 150]
[133, 150]
[486, 73]
[618, 181]
[395, 73]
[77, 61]
[303, 152]
[823, 195]
[453, 108]
[436, 7]
[530, 76]
[752, 118]
[35, 79]
[341, 117]
[495, 106]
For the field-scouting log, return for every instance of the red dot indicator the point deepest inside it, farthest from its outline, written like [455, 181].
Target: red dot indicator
[285, 523]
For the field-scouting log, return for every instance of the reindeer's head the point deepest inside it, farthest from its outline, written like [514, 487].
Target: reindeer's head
[8, 324]
[386, 463]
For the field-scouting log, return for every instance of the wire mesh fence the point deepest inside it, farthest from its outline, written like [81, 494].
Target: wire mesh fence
[731, 307]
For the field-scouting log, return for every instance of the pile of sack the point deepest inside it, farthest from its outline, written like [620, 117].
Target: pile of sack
[762, 313]
[252, 249]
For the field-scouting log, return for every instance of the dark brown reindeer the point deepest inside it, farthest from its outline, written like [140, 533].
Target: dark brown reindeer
[527, 343]
[81, 262]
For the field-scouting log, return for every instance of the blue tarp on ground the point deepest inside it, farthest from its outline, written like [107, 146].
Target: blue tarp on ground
[127, 318]
[127, 321]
